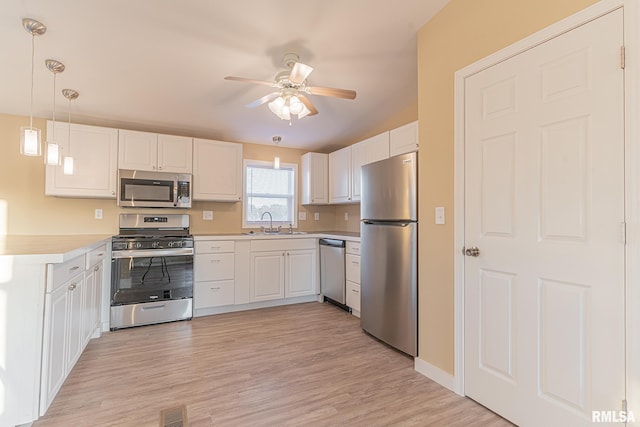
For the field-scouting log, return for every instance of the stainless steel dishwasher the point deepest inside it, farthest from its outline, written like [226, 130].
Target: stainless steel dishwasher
[332, 277]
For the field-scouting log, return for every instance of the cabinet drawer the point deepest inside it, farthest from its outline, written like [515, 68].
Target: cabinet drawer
[214, 246]
[61, 273]
[97, 255]
[352, 268]
[214, 267]
[213, 294]
[282, 244]
[353, 295]
[353, 248]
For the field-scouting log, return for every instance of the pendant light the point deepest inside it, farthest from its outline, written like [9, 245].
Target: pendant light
[30, 137]
[52, 149]
[276, 159]
[68, 169]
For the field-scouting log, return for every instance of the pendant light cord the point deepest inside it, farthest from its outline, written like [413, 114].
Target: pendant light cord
[33, 48]
[53, 131]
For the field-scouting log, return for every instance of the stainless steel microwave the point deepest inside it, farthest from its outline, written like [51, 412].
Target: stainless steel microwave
[154, 189]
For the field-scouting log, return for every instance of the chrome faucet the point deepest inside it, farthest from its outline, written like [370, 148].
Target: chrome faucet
[270, 220]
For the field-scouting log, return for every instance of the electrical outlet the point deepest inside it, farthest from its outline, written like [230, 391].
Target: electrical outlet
[316, 216]
[207, 215]
[302, 216]
[346, 216]
[98, 214]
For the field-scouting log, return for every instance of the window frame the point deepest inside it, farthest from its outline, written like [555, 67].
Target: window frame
[245, 198]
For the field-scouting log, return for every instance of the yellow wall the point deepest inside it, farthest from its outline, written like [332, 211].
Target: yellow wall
[462, 33]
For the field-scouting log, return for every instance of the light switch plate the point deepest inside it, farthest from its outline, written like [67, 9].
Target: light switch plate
[302, 216]
[316, 216]
[207, 215]
[98, 214]
[439, 215]
[346, 216]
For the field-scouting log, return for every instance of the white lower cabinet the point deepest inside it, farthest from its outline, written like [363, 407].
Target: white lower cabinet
[72, 315]
[63, 341]
[352, 275]
[283, 268]
[214, 274]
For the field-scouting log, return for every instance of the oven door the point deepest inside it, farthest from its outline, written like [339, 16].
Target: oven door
[139, 276]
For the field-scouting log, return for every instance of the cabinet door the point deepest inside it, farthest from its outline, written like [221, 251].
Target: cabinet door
[301, 273]
[95, 156]
[209, 267]
[267, 275]
[358, 158]
[340, 176]
[76, 290]
[217, 170]
[377, 148]
[175, 154]
[353, 296]
[213, 294]
[54, 364]
[315, 182]
[88, 297]
[137, 150]
[403, 139]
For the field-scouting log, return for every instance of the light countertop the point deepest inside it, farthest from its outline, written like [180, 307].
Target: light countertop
[49, 249]
[344, 235]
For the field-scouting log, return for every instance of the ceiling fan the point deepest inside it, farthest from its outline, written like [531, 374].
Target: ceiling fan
[292, 86]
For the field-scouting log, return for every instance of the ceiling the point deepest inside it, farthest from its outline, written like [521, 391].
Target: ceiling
[159, 65]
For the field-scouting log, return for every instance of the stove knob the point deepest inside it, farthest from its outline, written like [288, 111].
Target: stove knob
[171, 244]
[155, 245]
[137, 245]
[178, 244]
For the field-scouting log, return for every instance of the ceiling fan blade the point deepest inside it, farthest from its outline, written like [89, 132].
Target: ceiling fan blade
[244, 79]
[264, 99]
[329, 91]
[300, 72]
[308, 104]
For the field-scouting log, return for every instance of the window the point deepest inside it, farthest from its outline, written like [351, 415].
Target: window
[269, 190]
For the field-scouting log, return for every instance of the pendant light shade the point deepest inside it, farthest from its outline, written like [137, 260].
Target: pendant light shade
[30, 138]
[52, 150]
[68, 166]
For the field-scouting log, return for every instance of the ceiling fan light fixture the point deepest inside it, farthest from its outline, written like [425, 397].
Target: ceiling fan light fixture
[295, 106]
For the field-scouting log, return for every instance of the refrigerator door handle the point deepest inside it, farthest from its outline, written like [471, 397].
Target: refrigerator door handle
[389, 223]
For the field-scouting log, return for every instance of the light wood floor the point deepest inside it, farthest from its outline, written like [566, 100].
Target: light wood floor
[300, 365]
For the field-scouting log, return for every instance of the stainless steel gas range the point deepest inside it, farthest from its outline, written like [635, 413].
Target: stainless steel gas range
[151, 270]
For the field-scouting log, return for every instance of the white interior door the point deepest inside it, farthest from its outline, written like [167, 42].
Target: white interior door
[544, 203]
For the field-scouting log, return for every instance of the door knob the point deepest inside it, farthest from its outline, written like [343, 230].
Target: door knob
[472, 251]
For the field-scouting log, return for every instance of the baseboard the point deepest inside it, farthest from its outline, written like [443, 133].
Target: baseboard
[436, 374]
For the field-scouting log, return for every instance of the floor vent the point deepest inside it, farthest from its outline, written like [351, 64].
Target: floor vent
[174, 417]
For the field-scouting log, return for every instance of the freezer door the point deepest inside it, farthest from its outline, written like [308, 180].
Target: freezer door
[389, 189]
[389, 284]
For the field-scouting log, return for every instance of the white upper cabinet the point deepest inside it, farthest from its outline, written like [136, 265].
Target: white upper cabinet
[364, 152]
[95, 153]
[315, 181]
[152, 152]
[340, 176]
[217, 170]
[404, 139]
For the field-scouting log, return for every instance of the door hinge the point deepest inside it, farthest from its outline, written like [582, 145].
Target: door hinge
[622, 57]
[623, 232]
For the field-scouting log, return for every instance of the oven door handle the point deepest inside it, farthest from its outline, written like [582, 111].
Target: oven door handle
[146, 253]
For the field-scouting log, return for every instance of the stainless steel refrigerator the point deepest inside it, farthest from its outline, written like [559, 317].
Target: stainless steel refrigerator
[389, 249]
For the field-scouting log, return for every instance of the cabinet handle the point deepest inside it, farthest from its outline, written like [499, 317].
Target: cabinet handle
[215, 260]
[100, 254]
[215, 247]
[159, 168]
[75, 267]
[153, 167]
[217, 288]
[73, 286]
[96, 268]
[355, 262]
[355, 291]
[113, 193]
